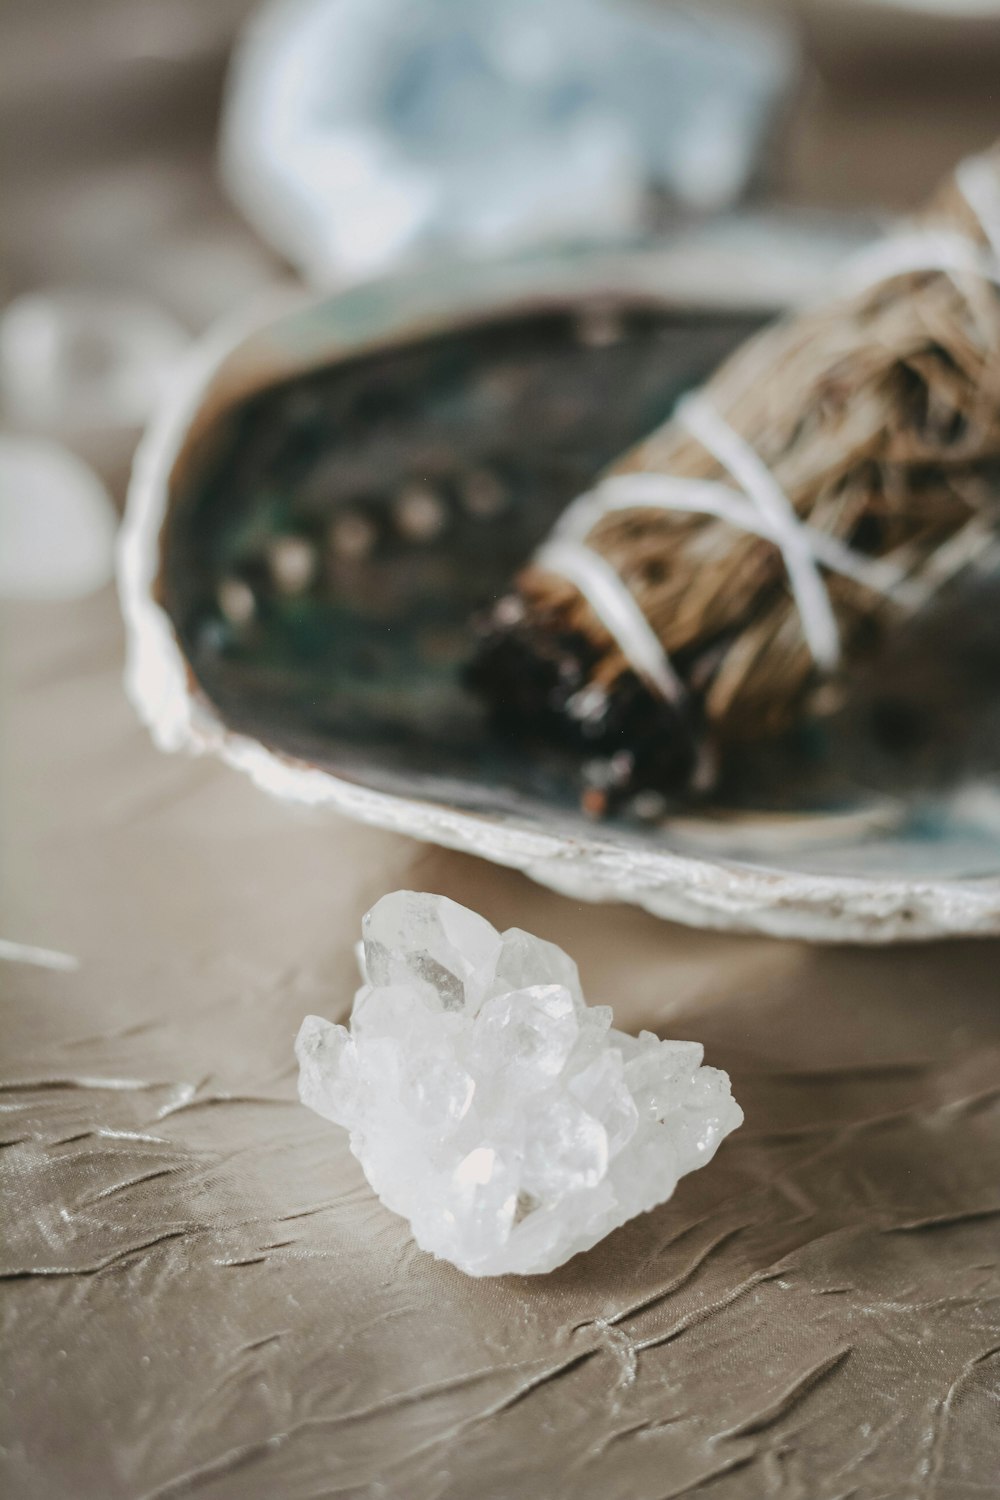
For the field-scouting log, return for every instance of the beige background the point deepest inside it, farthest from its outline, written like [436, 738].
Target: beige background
[205, 1298]
[200, 1295]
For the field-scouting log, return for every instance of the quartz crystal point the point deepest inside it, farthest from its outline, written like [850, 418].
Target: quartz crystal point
[490, 1105]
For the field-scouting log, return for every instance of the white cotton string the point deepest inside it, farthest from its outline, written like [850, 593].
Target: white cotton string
[979, 183]
[705, 497]
[918, 250]
[819, 624]
[760, 506]
[762, 509]
[617, 610]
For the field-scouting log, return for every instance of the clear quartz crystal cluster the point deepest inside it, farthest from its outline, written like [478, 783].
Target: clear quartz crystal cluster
[490, 1105]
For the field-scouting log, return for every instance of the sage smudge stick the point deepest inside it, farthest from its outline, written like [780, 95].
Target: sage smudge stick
[722, 583]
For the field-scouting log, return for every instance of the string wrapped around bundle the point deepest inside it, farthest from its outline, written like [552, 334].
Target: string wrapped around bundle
[727, 577]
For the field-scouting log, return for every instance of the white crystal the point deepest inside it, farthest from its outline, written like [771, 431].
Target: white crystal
[526, 960]
[523, 1038]
[490, 1105]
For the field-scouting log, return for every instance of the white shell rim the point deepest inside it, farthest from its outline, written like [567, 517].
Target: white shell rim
[697, 890]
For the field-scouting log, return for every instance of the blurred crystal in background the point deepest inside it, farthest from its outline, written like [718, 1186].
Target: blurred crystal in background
[361, 132]
[88, 367]
[57, 523]
[83, 361]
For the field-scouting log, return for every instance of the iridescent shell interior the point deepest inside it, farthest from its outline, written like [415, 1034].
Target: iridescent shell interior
[335, 524]
[338, 530]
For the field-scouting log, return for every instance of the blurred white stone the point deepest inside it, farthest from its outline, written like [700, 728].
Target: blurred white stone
[74, 361]
[489, 1105]
[57, 523]
[293, 563]
[358, 132]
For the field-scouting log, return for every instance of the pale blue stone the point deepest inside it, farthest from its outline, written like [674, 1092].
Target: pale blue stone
[359, 132]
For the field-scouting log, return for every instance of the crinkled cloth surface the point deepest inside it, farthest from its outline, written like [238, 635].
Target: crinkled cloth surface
[202, 1296]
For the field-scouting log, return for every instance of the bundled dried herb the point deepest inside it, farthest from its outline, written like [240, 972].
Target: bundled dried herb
[831, 478]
